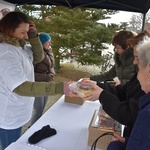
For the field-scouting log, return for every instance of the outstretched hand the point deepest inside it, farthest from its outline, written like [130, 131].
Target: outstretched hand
[66, 87]
[94, 94]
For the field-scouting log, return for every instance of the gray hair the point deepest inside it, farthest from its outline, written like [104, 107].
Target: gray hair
[143, 49]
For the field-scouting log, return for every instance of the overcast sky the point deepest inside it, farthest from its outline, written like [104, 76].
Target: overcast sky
[122, 16]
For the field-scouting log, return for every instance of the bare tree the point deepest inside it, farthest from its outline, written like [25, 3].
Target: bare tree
[136, 21]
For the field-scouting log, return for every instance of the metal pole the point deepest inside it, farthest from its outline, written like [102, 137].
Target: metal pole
[143, 22]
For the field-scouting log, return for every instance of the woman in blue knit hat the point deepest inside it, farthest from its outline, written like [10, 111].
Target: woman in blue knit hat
[45, 38]
[44, 72]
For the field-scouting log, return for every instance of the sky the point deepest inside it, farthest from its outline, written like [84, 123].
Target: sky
[122, 16]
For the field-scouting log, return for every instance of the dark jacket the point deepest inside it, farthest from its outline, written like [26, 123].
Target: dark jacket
[123, 68]
[122, 102]
[140, 135]
[44, 71]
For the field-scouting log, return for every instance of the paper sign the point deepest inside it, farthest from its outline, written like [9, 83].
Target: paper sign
[5, 7]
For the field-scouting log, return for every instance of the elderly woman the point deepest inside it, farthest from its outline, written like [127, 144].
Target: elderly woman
[139, 138]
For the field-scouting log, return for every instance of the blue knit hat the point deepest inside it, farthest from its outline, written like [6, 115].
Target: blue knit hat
[44, 37]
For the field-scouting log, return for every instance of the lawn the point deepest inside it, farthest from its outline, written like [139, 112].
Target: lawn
[70, 73]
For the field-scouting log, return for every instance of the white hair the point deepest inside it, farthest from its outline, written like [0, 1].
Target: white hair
[143, 49]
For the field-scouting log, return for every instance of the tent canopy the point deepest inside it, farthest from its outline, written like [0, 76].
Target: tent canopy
[140, 6]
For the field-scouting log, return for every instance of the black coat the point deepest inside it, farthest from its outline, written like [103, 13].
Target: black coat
[122, 102]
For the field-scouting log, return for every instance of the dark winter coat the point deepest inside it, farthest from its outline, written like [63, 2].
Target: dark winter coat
[122, 102]
[44, 71]
[123, 68]
[140, 135]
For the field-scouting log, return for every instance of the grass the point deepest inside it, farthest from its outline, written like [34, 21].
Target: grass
[69, 73]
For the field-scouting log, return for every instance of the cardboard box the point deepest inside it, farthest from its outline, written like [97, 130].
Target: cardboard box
[95, 132]
[74, 100]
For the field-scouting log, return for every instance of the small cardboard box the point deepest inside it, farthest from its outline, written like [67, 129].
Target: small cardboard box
[74, 100]
[95, 132]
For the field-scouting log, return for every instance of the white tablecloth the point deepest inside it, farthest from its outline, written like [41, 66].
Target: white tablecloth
[71, 122]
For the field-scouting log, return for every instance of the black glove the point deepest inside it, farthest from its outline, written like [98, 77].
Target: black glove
[43, 133]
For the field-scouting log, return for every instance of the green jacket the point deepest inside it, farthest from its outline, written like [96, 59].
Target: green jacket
[123, 68]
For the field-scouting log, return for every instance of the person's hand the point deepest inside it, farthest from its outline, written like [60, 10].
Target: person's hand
[32, 27]
[94, 94]
[118, 138]
[86, 81]
[73, 94]
[66, 87]
[50, 77]
[117, 83]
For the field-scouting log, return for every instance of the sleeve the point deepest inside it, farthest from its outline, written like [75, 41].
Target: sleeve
[105, 76]
[37, 48]
[122, 102]
[51, 55]
[119, 91]
[122, 111]
[37, 89]
[139, 138]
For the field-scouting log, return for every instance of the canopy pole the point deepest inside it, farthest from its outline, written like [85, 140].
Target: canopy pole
[143, 22]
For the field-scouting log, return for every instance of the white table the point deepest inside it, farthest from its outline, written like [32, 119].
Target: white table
[71, 122]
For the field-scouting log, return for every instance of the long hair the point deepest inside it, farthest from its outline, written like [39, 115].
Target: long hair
[11, 21]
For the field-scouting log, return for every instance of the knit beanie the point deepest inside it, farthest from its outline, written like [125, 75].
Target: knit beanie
[44, 37]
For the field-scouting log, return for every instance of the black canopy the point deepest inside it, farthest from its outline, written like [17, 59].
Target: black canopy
[141, 6]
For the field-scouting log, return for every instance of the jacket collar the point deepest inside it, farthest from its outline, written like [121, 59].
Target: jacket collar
[11, 40]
